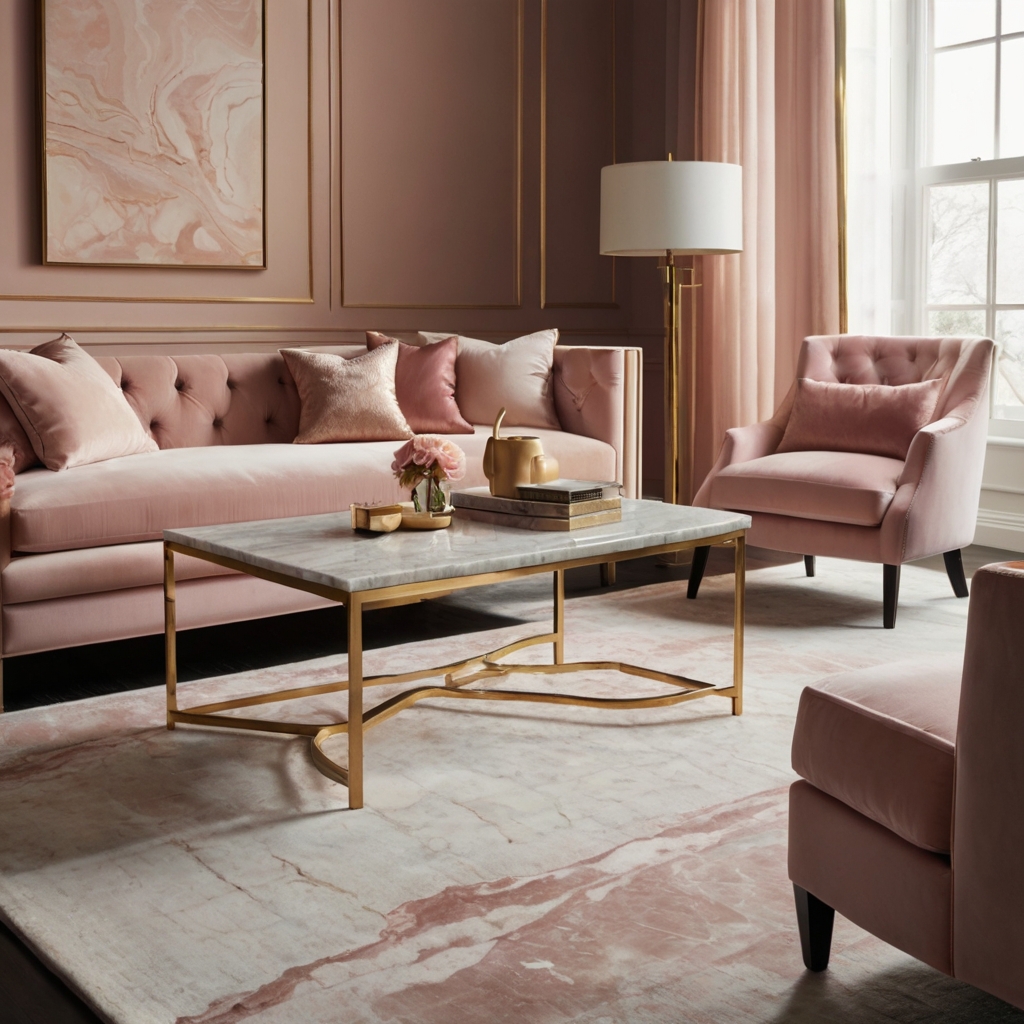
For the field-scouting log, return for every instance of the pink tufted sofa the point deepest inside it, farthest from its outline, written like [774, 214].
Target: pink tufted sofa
[80, 550]
[866, 507]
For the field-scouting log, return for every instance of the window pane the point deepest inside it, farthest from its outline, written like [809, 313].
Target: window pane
[1011, 109]
[958, 244]
[959, 21]
[1013, 16]
[1009, 391]
[955, 323]
[963, 105]
[1010, 241]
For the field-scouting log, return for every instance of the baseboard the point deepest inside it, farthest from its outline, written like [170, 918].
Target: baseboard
[998, 529]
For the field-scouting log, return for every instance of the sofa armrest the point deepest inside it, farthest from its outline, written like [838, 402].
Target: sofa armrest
[935, 508]
[741, 444]
[598, 393]
[988, 801]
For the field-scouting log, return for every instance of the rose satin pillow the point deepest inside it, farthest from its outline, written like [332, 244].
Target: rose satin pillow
[425, 384]
[873, 419]
[516, 375]
[13, 433]
[347, 399]
[71, 411]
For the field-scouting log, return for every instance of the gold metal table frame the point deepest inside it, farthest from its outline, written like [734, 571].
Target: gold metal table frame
[458, 676]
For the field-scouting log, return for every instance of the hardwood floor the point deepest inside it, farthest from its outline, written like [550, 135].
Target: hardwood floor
[29, 992]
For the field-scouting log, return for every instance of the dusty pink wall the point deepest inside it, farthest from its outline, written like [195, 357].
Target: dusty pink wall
[412, 149]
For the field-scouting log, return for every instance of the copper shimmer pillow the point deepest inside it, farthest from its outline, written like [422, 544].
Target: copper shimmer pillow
[516, 375]
[347, 399]
[873, 419]
[425, 384]
[72, 412]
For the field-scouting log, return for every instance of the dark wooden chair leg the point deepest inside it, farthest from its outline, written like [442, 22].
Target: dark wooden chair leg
[607, 574]
[697, 567]
[809, 564]
[814, 919]
[890, 594]
[955, 571]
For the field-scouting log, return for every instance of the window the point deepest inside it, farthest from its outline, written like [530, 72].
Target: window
[972, 182]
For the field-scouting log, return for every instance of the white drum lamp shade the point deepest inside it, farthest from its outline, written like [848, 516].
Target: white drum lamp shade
[684, 207]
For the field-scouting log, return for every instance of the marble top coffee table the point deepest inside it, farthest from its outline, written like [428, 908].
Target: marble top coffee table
[323, 555]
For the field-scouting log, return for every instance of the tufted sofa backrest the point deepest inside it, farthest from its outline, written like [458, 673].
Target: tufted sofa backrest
[201, 400]
[964, 363]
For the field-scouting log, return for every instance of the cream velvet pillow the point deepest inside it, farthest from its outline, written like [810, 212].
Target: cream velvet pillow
[516, 375]
[72, 412]
[347, 399]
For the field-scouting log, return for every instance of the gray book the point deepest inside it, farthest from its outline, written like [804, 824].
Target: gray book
[570, 491]
[481, 498]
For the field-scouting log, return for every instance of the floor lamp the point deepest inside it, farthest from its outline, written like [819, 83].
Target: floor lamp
[668, 209]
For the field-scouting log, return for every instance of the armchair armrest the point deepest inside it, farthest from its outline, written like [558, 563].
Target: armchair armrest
[935, 507]
[598, 393]
[988, 801]
[742, 444]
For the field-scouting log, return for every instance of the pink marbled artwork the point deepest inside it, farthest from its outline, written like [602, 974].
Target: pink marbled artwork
[154, 132]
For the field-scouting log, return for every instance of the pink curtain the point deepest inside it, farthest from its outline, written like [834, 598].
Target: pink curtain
[766, 100]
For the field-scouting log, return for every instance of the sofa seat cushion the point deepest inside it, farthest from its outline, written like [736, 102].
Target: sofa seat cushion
[882, 741]
[136, 498]
[837, 487]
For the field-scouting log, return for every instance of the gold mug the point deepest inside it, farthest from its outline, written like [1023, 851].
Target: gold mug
[510, 462]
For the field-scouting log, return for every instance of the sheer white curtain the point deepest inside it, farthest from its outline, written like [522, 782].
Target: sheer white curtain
[870, 181]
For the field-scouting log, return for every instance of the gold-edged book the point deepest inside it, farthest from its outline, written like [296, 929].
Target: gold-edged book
[481, 498]
[528, 522]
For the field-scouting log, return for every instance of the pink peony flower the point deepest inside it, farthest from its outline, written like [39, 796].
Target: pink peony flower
[6, 472]
[440, 458]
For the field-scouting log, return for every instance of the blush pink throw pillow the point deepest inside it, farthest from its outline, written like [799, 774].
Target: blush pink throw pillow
[516, 376]
[347, 399]
[872, 419]
[425, 384]
[71, 411]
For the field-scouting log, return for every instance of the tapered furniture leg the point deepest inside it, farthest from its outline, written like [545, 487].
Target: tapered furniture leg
[697, 567]
[607, 574]
[955, 571]
[814, 920]
[809, 564]
[890, 594]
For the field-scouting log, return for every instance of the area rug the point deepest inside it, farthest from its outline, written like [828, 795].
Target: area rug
[513, 863]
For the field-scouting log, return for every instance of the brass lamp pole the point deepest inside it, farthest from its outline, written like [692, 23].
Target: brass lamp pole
[668, 209]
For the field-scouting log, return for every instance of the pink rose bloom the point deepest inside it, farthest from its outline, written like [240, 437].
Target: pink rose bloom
[428, 450]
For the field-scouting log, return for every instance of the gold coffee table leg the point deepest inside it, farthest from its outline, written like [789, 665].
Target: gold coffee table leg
[559, 617]
[170, 638]
[355, 701]
[740, 568]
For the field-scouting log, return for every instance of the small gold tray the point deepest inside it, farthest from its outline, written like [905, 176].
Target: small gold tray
[413, 520]
[376, 518]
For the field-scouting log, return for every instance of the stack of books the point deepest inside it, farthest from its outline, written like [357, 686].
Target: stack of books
[559, 505]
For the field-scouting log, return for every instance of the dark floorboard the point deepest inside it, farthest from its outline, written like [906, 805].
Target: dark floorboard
[29, 992]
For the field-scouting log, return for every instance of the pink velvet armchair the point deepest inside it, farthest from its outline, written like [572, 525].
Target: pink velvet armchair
[866, 506]
[908, 817]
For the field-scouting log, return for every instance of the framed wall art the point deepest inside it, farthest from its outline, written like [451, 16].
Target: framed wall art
[153, 133]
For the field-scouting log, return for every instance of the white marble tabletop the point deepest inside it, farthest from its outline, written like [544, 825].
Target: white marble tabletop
[325, 550]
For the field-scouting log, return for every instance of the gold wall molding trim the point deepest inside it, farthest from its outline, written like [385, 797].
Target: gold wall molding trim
[309, 298]
[517, 286]
[612, 303]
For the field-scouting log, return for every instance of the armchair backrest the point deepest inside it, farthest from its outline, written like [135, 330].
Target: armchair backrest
[988, 802]
[964, 363]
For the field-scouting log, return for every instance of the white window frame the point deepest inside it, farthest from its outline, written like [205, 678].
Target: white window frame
[924, 175]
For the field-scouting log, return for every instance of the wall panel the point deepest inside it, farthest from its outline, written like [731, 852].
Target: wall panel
[578, 132]
[431, 123]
